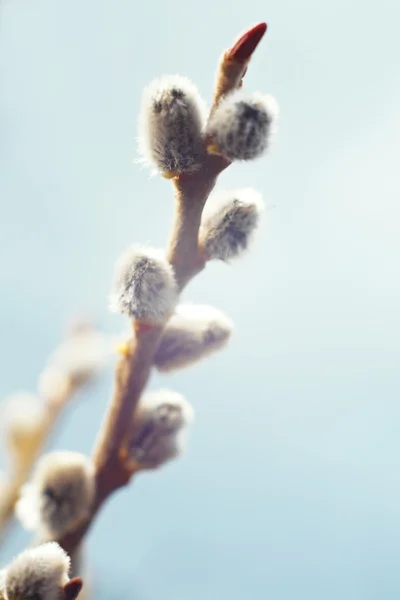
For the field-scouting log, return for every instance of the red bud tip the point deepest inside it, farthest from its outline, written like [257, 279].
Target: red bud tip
[247, 43]
[72, 588]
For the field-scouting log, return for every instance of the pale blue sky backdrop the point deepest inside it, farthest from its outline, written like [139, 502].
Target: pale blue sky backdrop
[291, 485]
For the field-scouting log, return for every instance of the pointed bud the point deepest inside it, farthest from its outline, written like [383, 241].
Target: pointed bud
[192, 333]
[242, 125]
[39, 573]
[144, 286]
[59, 495]
[229, 222]
[247, 42]
[171, 123]
[158, 428]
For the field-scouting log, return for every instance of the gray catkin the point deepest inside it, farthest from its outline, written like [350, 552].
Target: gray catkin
[157, 427]
[192, 333]
[171, 125]
[229, 223]
[144, 286]
[59, 495]
[37, 574]
[242, 125]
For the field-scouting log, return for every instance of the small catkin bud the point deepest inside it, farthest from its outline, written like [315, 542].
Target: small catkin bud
[78, 358]
[23, 418]
[192, 333]
[37, 574]
[54, 385]
[59, 495]
[144, 285]
[171, 124]
[229, 222]
[157, 429]
[242, 125]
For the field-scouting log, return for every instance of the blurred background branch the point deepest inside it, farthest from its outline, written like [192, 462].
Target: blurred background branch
[29, 420]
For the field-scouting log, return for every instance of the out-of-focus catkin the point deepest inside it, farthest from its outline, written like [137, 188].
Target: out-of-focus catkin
[79, 357]
[158, 427]
[192, 333]
[229, 222]
[24, 418]
[37, 574]
[59, 495]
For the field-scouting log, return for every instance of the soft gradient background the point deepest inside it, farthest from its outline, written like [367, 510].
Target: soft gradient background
[290, 488]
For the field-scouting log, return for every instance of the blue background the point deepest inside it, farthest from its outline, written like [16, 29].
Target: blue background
[290, 487]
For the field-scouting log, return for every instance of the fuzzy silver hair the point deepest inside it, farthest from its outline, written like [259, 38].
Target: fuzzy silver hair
[59, 495]
[157, 428]
[242, 125]
[192, 333]
[171, 124]
[144, 285]
[229, 222]
[37, 574]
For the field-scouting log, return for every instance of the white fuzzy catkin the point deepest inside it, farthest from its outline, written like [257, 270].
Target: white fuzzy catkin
[242, 125]
[192, 333]
[171, 122]
[80, 356]
[229, 222]
[37, 574]
[53, 384]
[23, 417]
[59, 495]
[144, 285]
[158, 428]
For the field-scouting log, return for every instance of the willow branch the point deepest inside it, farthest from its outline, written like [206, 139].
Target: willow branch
[22, 470]
[134, 368]
[71, 366]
